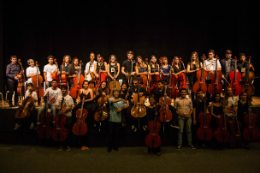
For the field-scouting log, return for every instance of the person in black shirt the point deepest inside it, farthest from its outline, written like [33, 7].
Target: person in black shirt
[74, 70]
[160, 93]
[243, 64]
[242, 110]
[228, 65]
[134, 90]
[123, 94]
[198, 107]
[126, 66]
[12, 70]
[66, 67]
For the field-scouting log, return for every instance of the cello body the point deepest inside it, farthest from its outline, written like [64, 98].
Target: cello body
[172, 88]
[55, 75]
[200, 83]
[64, 78]
[247, 78]
[235, 139]
[44, 131]
[153, 140]
[221, 133]
[102, 113]
[204, 132]
[235, 77]
[80, 127]
[37, 81]
[138, 110]
[102, 77]
[251, 132]
[165, 114]
[24, 110]
[60, 132]
[78, 81]
[215, 85]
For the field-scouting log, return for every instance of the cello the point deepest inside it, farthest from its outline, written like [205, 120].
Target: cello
[24, 109]
[165, 112]
[44, 131]
[78, 81]
[222, 133]
[235, 77]
[235, 139]
[247, 78]
[54, 75]
[129, 77]
[114, 84]
[153, 140]
[138, 110]
[80, 127]
[37, 82]
[215, 85]
[64, 75]
[161, 74]
[21, 80]
[102, 113]
[251, 132]
[172, 88]
[60, 132]
[185, 82]
[146, 79]
[201, 77]
[204, 132]
[102, 76]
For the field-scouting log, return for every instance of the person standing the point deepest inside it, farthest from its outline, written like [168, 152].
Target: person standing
[116, 105]
[184, 109]
[126, 67]
[12, 70]
[228, 65]
[48, 70]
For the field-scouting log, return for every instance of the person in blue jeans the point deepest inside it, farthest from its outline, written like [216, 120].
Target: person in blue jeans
[184, 109]
[53, 93]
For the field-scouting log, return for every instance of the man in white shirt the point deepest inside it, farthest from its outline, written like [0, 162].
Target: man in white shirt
[31, 70]
[89, 69]
[48, 70]
[28, 94]
[210, 67]
[53, 92]
[65, 108]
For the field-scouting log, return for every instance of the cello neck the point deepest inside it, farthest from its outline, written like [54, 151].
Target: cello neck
[205, 112]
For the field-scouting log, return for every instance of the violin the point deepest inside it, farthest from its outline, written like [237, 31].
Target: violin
[102, 113]
[114, 84]
[215, 85]
[247, 78]
[153, 140]
[44, 131]
[55, 75]
[145, 80]
[37, 82]
[60, 132]
[201, 78]
[80, 127]
[24, 109]
[78, 81]
[21, 80]
[235, 77]
[222, 133]
[64, 75]
[172, 88]
[102, 76]
[251, 132]
[235, 139]
[204, 132]
[165, 112]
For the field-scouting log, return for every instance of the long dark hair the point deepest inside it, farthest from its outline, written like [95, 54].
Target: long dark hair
[72, 68]
[214, 97]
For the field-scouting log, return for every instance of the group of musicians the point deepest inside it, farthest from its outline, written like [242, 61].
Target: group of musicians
[151, 91]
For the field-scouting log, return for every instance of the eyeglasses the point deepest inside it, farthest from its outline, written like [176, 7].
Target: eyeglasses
[135, 83]
[210, 54]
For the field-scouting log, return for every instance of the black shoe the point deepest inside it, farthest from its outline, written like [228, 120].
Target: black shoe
[109, 150]
[115, 148]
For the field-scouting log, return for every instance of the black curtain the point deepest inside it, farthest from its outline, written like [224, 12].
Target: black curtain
[36, 30]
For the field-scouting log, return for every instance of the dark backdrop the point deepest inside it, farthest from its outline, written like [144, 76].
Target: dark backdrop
[38, 29]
